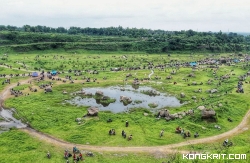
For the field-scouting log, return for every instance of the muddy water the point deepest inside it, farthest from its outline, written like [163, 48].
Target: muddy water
[8, 121]
[161, 100]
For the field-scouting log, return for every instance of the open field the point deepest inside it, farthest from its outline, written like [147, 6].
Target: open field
[49, 112]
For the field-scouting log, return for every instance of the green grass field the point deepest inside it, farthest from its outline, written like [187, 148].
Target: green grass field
[50, 114]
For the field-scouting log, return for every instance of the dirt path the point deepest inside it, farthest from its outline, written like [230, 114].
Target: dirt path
[21, 69]
[6, 92]
[162, 149]
[152, 72]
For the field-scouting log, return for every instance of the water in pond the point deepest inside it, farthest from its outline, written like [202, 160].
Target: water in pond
[162, 100]
[7, 120]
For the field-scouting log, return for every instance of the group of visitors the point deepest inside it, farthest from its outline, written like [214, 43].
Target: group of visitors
[77, 155]
[124, 135]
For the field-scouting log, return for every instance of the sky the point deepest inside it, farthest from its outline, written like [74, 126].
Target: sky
[171, 15]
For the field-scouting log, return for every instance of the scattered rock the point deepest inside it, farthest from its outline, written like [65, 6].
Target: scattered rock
[201, 107]
[163, 113]
[93, 111]
[207, 113]
[99, 93]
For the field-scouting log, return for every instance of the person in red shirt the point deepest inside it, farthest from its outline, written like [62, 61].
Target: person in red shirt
[80, 156]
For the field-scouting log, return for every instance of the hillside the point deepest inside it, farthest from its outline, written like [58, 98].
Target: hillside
[29, 38]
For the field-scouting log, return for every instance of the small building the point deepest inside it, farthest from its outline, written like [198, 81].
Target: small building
[34, 74]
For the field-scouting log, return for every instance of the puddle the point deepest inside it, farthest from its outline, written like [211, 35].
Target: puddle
[162, 100]
[8, 121]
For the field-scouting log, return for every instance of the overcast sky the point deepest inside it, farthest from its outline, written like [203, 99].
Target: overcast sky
[198, 15]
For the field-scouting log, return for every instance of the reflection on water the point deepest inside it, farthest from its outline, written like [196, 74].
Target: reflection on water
[162, 100]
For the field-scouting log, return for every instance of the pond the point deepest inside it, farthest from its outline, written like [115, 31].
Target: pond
[139, 99]
[7, 121]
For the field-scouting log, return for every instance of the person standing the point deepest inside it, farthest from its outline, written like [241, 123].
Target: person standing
[161, 133]
[126, 123]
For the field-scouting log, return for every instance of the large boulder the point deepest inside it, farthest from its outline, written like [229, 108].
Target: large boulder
[125, 98]
[99, 93]
[48, 89]
[207, 113]
[163, 113]
[93, 111]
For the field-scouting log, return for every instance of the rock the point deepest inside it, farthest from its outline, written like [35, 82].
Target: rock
[163, 113]
[48, 89]
[105, 98]
[220, 105]
[175, 115]
[213, 90]
[93, 111]
[183, 114]
[78, 119]
[153, 104]
[167, 118]
[205, 113]
[136, 82]
[182, 95]
[201, 107]
[99, 93]
[180, 117]
[125, 99]
[145, 114]
[193, 97]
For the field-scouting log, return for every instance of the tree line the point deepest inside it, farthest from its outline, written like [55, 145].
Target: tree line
[128, 39]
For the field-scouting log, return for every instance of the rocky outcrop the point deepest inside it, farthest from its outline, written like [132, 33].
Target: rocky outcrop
[93, 111]
[125, 99]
